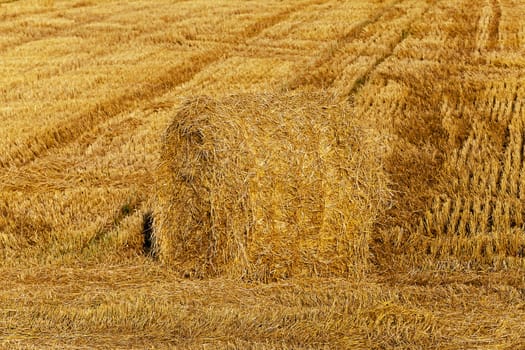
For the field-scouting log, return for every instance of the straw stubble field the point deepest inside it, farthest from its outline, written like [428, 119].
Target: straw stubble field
[318, 174]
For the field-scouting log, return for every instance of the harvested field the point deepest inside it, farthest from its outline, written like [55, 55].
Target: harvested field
[262, 174]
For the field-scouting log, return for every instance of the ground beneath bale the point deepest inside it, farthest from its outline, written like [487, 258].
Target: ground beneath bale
[144, 306]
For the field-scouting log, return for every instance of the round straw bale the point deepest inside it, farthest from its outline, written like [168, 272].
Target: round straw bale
[264, 186]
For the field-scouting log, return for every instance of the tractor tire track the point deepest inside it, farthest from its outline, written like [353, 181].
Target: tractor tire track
[321, 72]
[487, 37]
[363, 79]
[494, 24]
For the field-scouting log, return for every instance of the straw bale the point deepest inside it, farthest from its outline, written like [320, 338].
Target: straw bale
[265, 186]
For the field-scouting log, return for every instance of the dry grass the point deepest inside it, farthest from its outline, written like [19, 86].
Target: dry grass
[425, 115]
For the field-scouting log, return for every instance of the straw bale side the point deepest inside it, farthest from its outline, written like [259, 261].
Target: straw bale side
[266, 186]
